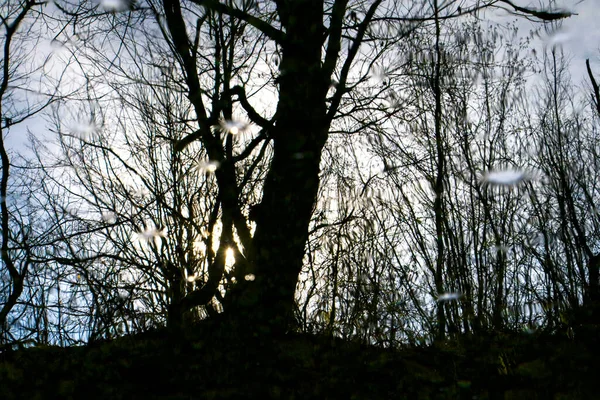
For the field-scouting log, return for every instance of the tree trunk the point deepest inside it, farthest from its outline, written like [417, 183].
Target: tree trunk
[291, 185]
[593, 292]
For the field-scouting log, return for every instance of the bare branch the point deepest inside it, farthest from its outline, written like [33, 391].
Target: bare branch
[542, 15]
[596, 94]
[264, 27]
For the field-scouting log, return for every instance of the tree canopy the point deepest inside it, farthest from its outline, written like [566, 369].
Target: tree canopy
[381, 170]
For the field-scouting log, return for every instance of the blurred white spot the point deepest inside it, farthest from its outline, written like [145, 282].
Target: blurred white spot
[208, 166]
[117, 5]
[449, 296]
[109, 217]
[557, 38]
[379, 74]
[151, 233]
[229, 257]
[84, 130]
[504, 178]
[234, 127]
[249, 277]
[191, 278]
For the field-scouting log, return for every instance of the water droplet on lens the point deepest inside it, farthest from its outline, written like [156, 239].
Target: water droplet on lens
[117, 5]
[109, 217]
[504, 178]
[84, 130]
[208, 167]
[151, 234]
[450, 296]
[557, 38]
[234, 127]
[379, 74]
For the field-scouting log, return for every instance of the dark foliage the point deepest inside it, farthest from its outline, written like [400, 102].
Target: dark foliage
[216, 362]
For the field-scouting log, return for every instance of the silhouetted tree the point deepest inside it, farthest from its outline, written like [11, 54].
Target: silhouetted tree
[321, 59]
[27, 86]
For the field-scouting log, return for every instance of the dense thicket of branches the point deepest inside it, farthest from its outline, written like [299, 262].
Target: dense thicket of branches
[364, 169]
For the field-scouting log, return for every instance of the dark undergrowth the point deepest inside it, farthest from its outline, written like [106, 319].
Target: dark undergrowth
[217, 363]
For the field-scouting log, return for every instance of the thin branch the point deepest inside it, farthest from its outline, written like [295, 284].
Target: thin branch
[264, 27]
[543, 15]
[252, 114]
[596, 95]
[335, 36]
[337, 97]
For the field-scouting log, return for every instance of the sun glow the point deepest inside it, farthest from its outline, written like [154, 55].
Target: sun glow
[229, 258]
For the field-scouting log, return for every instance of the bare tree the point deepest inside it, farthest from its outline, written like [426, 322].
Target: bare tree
[568, 157]
[320, 61]
[24, 92]
[299, 128]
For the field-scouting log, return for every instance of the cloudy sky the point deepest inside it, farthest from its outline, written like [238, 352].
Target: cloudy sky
[579, 38]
